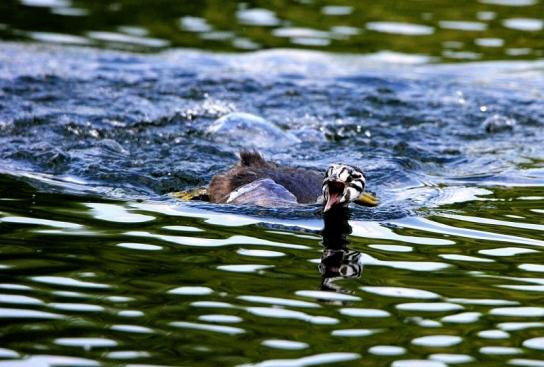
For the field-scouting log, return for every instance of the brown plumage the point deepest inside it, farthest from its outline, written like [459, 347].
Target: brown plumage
[304, 184]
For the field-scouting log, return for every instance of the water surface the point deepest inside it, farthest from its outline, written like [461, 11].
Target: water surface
[439, 30]
[99, 265]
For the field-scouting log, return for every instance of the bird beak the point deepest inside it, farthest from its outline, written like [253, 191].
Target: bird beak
[336, 191]
[367, 199]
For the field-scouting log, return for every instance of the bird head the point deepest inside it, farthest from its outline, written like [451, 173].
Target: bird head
[344, 184]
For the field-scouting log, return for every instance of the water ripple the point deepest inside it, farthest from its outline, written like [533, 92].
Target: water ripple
[68, 282]
[207, 327]
[315, 360]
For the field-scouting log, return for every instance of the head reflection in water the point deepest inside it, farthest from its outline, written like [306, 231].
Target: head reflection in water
[337, 261]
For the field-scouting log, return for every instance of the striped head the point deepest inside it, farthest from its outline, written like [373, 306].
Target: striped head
[341, 185]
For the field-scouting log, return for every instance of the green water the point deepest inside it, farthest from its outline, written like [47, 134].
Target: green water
[160, 283]
[434, 29]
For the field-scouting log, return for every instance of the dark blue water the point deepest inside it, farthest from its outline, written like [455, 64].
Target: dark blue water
[126, 125]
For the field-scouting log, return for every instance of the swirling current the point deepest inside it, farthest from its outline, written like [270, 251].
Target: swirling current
[100, 265]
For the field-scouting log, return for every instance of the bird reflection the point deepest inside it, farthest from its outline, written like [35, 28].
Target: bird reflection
[337, 260]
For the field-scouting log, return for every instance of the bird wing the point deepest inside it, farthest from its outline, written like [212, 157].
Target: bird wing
[264, 192]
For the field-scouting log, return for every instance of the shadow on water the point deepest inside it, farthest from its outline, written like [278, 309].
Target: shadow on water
[337, 260]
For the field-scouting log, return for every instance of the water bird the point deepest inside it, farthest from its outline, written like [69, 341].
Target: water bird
[256, 181]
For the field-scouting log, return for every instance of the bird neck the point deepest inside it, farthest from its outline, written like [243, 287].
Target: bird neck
[336, 230]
